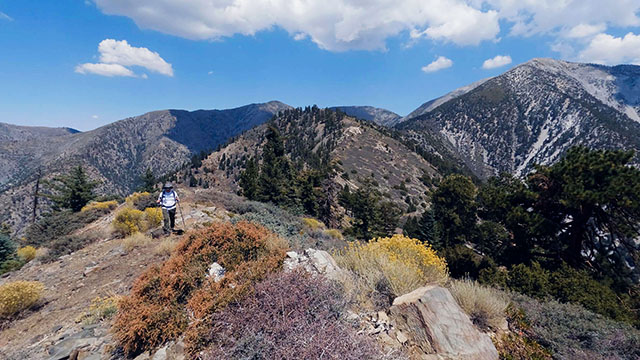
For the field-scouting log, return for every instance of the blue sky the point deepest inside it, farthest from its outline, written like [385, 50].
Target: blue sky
[204, 54]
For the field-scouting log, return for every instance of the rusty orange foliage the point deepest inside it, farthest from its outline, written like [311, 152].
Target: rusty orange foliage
[161, 299]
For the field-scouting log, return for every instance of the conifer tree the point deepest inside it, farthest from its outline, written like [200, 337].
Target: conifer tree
[454, 207]
[7, 247]
[275, 182]
[72, 191]
[148, 181]
[249, 179]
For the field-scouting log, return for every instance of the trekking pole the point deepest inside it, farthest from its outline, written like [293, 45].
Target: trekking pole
[182, 216]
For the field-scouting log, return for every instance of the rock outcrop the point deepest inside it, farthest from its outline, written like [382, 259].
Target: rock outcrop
[432, 325]
[315, 262]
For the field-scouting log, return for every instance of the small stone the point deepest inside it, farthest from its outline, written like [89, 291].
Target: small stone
[382, 317]
[217, 271]
[402, 338]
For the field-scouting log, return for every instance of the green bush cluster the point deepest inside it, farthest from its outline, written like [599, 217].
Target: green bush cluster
[565, 284]
[571, 332]
[61, 223]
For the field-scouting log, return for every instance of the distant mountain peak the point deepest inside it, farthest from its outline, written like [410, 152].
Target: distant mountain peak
[377, 115]
[535, 111]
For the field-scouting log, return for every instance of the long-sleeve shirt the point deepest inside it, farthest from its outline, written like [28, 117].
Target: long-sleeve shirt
[168, 200]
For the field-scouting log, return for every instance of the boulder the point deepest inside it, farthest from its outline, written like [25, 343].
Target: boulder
[315, 262]
[432, 324]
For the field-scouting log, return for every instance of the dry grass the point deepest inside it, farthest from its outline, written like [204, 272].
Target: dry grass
[136, 240]
[389, 267]
[42, 252]
[166, 246]
[485, 306]
[101, 308]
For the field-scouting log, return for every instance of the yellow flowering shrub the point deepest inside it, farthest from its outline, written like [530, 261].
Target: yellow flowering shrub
[19, 295]
[129, 221]
[101, 205]
[101, 308]
[153, 217]
[136, 197]
[27, 253]
[312, 223]
[398, 263]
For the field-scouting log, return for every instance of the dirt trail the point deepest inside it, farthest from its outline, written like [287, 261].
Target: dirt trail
[103, 268]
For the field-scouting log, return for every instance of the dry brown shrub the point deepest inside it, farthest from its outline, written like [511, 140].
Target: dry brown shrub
[158, 308]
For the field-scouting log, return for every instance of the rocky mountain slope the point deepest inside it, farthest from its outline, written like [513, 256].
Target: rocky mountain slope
[118, 153]
[357, 149]
[535, 112]
[10, 132]
[370, 113]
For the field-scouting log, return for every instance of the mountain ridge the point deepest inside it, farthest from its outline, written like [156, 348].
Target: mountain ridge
[536, 111]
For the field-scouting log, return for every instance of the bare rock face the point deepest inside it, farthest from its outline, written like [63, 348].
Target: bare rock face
[315, 262]
[433, 326]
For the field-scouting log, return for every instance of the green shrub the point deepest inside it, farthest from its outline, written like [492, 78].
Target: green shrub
[334, 233]
[58, 224]
[572, 332]
[464, 262]
[578, 287]
[68, 244]
[7, 247]
[530, 280]
[10, 265]
[569, 285]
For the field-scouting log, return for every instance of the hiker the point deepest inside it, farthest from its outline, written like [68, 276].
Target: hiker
[168, 199]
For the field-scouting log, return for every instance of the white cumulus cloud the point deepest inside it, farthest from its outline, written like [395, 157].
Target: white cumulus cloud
[496, 62]
[440, 63]
[530, 17]
[104, 70]
[341, 25]
[117, 56]
[334, 25]
[610, 50]
[586, 30]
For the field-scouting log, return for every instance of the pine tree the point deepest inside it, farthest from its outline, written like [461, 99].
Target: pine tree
[249, 179]
[148, 181]
[7, 247]
[424, 229]
[72, 191]
[275, 182]
[454, 207]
